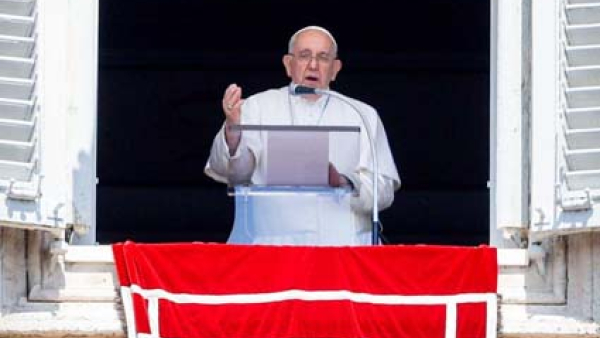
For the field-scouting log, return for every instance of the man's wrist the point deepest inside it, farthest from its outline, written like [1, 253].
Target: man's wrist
[232, 138]
[229, 128]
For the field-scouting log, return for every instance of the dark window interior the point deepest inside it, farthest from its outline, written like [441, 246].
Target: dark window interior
[164, 64]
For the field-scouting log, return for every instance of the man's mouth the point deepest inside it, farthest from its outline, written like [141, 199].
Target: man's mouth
[311, 78]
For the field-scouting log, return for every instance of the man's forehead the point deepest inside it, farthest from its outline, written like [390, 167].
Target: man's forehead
[313, 36]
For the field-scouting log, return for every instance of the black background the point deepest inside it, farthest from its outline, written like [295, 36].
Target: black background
[164, 64]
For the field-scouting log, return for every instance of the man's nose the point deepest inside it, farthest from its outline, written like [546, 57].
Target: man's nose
[313, 63]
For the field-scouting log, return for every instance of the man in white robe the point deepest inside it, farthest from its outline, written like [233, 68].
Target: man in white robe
[304, 219]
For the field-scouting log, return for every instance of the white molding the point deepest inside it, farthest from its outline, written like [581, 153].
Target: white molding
[518, 321]
[595, 278]
[70, 294]
[82, 115]
[84, 274]
[51, 320]
[52, 55]
[577, 317]
[544, 119]
[524, 283]
[101, 254]
[507, 163]
[513, 257]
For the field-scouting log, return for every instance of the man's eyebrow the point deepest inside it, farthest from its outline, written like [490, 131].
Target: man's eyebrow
[308, 50]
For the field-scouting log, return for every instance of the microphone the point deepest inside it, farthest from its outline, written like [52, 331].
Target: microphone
[303, 90]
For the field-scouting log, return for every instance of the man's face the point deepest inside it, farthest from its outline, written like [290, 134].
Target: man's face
[312, 62]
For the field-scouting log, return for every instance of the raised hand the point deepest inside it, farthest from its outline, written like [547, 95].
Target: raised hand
[232, 107]
[232, 104]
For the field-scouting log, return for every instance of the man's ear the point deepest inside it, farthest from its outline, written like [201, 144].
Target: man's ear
[337, 66]
[287, 60]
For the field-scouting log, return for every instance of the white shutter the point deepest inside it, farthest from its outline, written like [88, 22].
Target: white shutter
[582, 97]
[48, 67]
[20, 177]
[17, 94]
[576, 195]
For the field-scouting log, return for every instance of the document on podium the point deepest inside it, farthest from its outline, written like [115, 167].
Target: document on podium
[297, 158]
[291, 201]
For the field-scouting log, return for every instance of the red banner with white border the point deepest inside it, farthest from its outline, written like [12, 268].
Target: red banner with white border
[216, 290]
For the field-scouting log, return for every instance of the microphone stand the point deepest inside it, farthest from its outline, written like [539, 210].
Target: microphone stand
[376, 224]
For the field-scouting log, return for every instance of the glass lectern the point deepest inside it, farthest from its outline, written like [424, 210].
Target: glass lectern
[289, 193]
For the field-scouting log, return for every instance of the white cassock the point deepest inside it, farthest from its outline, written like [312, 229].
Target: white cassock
[306, 219]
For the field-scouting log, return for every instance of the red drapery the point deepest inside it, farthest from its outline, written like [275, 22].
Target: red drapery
[215, 290]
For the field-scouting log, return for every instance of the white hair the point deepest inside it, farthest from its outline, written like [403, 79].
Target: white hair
[312, 28]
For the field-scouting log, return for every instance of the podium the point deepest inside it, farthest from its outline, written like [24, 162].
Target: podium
[289, 200]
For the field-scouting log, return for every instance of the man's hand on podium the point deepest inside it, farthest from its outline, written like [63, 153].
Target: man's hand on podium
[338, 180]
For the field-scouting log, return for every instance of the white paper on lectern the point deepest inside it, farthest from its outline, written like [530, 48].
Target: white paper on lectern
[298, 158]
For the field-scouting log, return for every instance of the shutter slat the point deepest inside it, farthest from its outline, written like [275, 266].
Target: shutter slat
[589, 179]
[15, 170]
[588, 159]
[16, 25]
[16, 67]
[16, 151]
[578, 139]
[581, 14]
[582, 1]
[585, 76]
[584, 55]
[16, 109]
[580, 118]
[583, 97]
[16, 88]
[583, 35]
[17, 7]
[16, 130]
[16, 46]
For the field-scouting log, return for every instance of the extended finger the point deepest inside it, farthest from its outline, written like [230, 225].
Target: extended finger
[227, 104]
[229, 92]
[235, 95]
[233, 99]
[230, 88]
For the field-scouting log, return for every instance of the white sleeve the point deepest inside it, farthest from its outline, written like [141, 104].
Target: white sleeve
[363, 184]
[239, 167]
[226, 168]
[388, 180]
